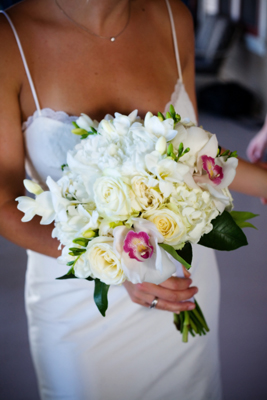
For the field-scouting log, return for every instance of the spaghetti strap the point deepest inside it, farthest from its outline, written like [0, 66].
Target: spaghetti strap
[175, 44]
[24, 63]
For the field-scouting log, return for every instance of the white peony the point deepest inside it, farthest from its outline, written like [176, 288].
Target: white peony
[197, 208]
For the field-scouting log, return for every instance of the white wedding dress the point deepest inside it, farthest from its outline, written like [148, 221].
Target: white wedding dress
[134, 353]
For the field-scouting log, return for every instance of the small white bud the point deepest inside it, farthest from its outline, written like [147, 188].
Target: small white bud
[161, 145]
[32, 187]
[147, 117]
[85, 122]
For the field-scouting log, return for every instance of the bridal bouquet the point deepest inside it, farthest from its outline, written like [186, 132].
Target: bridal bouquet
[134, 195]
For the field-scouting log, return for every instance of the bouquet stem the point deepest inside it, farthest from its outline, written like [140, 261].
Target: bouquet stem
[192, 322]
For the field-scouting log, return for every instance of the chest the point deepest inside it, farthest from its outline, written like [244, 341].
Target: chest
[77, 73]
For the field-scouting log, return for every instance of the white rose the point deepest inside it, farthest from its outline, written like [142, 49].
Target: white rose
[148, 197]
[113, 198]
[172, 226]
[104, 263]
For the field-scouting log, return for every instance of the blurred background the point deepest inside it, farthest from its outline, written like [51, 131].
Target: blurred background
[231, 81]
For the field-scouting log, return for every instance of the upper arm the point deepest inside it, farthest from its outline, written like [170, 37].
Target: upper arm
[11, 137]
[186, 43]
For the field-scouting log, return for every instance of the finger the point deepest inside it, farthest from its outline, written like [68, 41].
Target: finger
[173, 296]
[175, 283]
[172, 307]
[186, 272]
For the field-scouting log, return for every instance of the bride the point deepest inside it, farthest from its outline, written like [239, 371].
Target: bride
[97, 57]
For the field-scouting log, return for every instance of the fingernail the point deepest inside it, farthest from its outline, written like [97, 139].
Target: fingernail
[191, 307]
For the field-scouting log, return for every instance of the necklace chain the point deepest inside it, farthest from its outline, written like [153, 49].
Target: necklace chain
[111, 38]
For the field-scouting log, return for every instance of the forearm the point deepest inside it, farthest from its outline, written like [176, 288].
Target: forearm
[250, 179]
[30, 235]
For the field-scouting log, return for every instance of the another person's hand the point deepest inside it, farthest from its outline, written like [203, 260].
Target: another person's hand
[171, 294]
[258, 145]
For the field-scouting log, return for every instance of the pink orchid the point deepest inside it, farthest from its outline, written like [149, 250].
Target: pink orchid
[141, 243]
[137, 246]
[215, 172]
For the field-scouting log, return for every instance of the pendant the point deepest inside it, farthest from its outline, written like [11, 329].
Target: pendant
[112, 39]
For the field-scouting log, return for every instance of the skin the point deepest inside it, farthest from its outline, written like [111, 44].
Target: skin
[57, 53]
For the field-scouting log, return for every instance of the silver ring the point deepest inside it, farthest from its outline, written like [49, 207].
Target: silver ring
[154, 303]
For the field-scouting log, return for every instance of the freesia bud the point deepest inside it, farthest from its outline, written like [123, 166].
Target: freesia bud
[32, 187]
[170, 149]
[79, 131]
[148, 116]
[107, 126]
[85, 122]
[89, 234]
[161, 145]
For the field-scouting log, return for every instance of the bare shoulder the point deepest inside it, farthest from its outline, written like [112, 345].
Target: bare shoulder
[183, 21]
[21, 16]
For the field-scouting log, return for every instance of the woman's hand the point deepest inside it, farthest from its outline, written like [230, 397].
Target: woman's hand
[172, 294]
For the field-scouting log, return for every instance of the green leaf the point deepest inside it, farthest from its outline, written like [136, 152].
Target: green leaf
[175, 254]
[226, 234]
[240, 218]
[186, 253]
[244, 224]
[84, 136]
[242, 215]
[69, 275]
[101, 296]
[94, 131]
